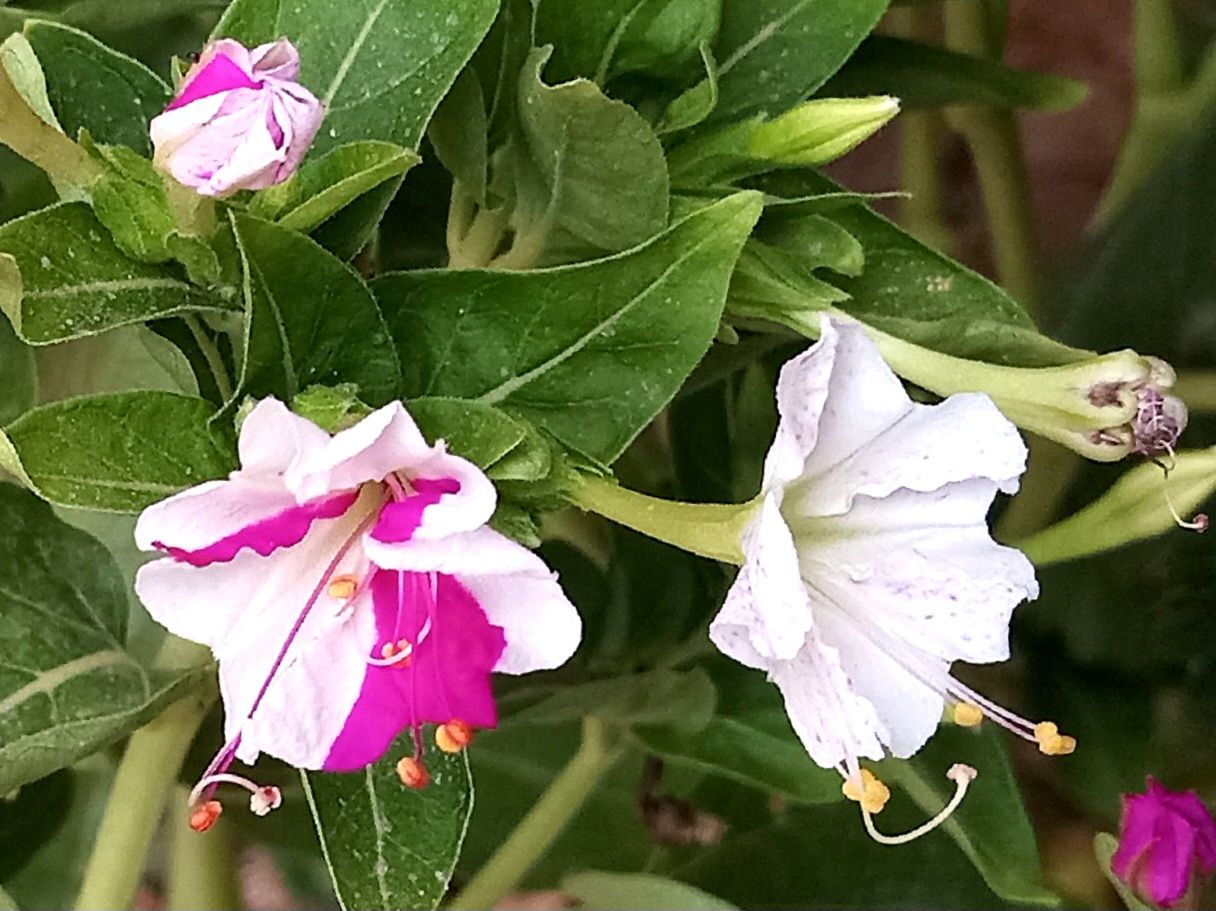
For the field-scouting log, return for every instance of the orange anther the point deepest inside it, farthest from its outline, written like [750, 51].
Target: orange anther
[205, 815]
[453, 736]
[413, 773]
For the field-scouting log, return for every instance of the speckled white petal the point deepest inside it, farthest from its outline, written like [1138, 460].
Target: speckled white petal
[766, 615]
[385, 441]
[922, 567]
[931, 446]
[833, 722]
[906, 709]
[864, 397]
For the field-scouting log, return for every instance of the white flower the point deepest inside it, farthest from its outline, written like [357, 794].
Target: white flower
[351, 590]
[869, 567]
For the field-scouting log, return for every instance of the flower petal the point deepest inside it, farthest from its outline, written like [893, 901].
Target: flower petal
[766, 615]
[273, 436]
[835, 398]
[542, 628]
[276, 60]
[385, 441]
[908, 711]
[833, 722]
[448, 674]
[201, 516]
[449, 496]
[219, 70]
[931, 446]
[923, 568]
[482, 552]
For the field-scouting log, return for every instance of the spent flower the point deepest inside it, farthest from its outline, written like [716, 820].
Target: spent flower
[351, 590]
[240, 121]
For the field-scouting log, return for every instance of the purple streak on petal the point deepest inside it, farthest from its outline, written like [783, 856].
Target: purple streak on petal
[220, 74]
[448, 676]
[401, 518]
[285, 529]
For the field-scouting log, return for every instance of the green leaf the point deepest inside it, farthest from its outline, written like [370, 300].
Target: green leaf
[68, 686]
[130, 198]
[638, 890]
[921, 296]
[62, 277]
[118, 452]
[676, 701]
[588, 352]
[388, 846]
[30, 818]
[326, 185]
[95, 88]
[379, 66]
[990, 825]
[774, 53]
[611, 38]
[18, 382]
[926, 76]
[599, 171]
[749, 740]
[21, 64]
[310, 319]
[693, 105]
[480, 433]
[1105, 846]
[458, 133]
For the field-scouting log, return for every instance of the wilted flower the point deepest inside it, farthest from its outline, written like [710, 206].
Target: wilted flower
[869, 569]
[240, 120]
[351, 590]
[1167, 846]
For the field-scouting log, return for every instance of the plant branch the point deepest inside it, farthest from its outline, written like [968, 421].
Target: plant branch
[539, 829]
[211, 355]
[202, 868]
[145, 776]
[996, 149]
[711, 530]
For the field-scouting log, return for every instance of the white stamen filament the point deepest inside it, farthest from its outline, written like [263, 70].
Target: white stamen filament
[222, 778]
[1200, 522]
[961, 775]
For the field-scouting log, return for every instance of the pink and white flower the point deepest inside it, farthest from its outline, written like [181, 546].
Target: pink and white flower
[240, 121]
[869, 568]
[351, 590]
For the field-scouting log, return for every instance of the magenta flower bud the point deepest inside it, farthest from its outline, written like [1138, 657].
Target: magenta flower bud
[240, 120]
[1167, 846]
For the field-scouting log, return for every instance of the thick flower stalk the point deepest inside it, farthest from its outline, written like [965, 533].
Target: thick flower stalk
[1167, 846]
[350, 589]
[868, 566]
[240, 121]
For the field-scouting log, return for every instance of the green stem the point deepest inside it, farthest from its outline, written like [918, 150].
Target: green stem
[202, 868]
[1051, 469]
[211, 355]
[145, 776]
[711, 530]
[39, 143]
[537, 831]
[996, 150]
[921, 210]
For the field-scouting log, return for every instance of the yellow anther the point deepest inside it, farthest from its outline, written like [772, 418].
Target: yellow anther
[967, 714]
[872, 794]
[401, 649]
[1051, 742]
[342, 588]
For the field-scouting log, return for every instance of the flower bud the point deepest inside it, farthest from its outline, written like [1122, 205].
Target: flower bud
[240, 120]
[819, 131]
[1167, 847]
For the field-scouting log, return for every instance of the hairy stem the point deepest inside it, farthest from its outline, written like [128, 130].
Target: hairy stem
[211, 354]
[537, 831]
[996, 149]
[202, 868]
[706, 529]
[145, 776]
